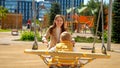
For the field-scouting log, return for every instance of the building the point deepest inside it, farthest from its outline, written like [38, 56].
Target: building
[66, 4]
[24, 7]
[2, 2]
[50, 0]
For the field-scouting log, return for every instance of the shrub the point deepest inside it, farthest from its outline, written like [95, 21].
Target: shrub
[27, 36]
[38, 37]
[105, 36]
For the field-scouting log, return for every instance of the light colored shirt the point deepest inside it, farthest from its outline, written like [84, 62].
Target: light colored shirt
[58, 31]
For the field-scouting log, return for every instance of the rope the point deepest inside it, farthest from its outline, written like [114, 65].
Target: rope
[103, 46]
[95, 37]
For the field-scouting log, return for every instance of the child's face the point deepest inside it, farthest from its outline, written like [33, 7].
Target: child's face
[59, 22]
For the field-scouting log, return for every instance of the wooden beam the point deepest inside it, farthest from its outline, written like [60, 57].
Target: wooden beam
[67, 54]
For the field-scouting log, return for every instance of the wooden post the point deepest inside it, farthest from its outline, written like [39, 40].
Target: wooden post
[109, 26]
[35, 44]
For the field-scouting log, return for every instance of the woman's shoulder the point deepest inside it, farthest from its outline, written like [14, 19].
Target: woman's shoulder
[49, 27]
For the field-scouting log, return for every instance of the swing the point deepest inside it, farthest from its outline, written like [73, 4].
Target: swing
[68, 59]
[95, 37]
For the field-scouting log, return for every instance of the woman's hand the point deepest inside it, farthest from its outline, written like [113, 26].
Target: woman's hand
[45, 41]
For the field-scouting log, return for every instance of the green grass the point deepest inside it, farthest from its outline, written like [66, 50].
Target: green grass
[86, 40]
[5, 30]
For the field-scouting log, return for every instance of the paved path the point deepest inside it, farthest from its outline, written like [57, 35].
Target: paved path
[12, 54]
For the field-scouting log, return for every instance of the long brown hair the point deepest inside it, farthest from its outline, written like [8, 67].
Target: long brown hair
[54, 24]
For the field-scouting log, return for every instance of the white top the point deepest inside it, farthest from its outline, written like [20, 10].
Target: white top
[58, 30]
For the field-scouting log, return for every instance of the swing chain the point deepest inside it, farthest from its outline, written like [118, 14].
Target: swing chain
[93, 49]
[104, 49]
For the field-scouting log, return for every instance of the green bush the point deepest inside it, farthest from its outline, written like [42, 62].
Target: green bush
[105, 36]
[38, 37]
[27, 36]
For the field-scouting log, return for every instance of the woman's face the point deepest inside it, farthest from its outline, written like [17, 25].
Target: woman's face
[59, 22]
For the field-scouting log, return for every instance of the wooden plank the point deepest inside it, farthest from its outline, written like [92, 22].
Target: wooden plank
[67, 54]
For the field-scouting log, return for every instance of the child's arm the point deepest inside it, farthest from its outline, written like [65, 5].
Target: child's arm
[53, 48]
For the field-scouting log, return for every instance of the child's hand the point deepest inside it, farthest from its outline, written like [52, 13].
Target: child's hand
[73, 41]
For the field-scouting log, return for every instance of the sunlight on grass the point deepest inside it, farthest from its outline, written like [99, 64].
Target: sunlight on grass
[5, 30]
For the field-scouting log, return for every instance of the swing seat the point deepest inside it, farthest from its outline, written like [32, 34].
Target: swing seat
[86, 48]
[66, 59]
[14, 32]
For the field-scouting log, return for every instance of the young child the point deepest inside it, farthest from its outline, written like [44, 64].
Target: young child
[66, 43]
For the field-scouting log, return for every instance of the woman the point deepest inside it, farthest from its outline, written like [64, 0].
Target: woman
[54, 31]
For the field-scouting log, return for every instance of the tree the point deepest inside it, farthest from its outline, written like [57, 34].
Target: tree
[100, 20]
[3, 12]
[92, 6]
[55, 9]
[116, 22]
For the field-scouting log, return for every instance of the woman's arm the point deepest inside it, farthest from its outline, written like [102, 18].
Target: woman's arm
[46, 36]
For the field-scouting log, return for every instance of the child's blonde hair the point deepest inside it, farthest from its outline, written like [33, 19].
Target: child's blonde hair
[65, 36]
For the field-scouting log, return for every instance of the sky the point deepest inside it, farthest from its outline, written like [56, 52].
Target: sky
[40, 0]
[85, 1]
